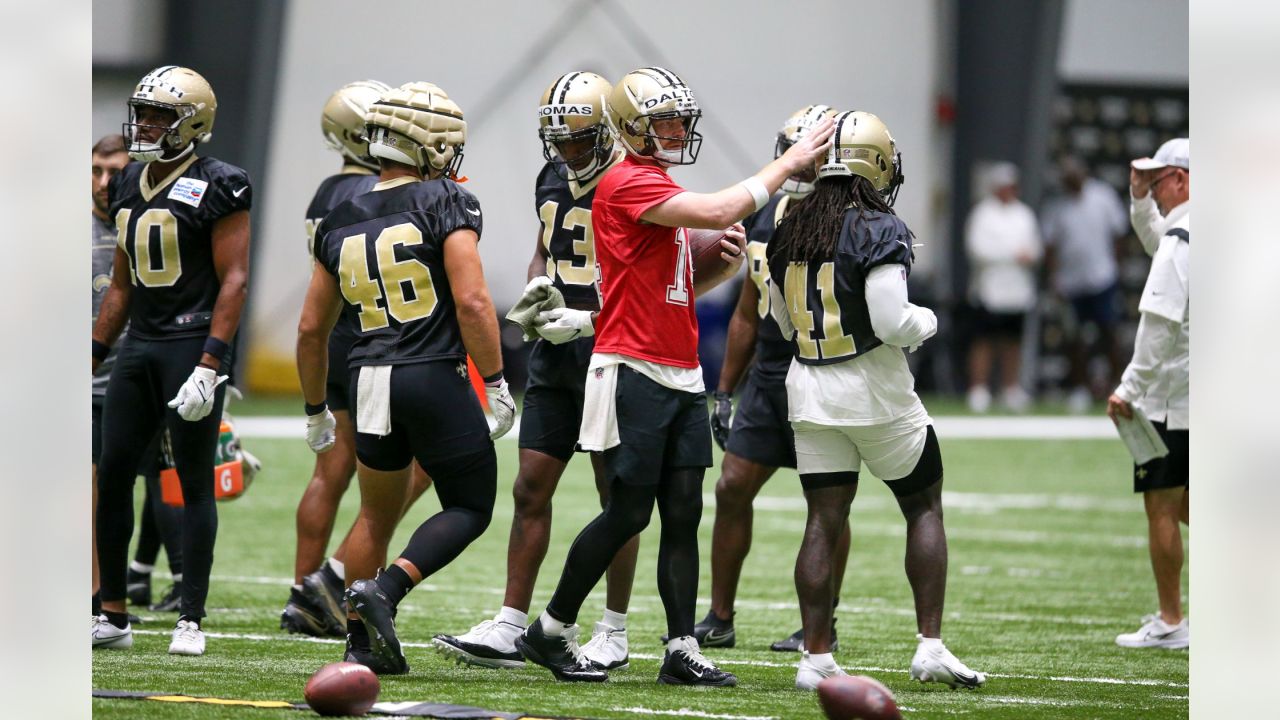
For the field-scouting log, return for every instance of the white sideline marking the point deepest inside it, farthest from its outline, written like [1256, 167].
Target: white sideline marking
[752, 663]
[958, 427]
[989, 503]
[686, 712]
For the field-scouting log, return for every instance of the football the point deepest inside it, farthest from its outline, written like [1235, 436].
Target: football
[705, 249]
[342, 688]
[857, 697]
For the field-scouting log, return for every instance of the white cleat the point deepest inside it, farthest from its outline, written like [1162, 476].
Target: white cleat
[490, 644]
[108, 636]
[808, 674]
[933, 662]
[607, 649]
[188, 639]
[1157, 633]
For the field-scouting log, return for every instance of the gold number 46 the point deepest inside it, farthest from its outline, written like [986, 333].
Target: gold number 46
[363, 287]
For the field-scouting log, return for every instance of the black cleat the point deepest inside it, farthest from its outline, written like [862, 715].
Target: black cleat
[138, 587]
[559, 654]
[368, 601]
[301, 616]
[687, 666]
[795, 642]
[375, 663]
[711, 631]
[325, 591]
[169, 601]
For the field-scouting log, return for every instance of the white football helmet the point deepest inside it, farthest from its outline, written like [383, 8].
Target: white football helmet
[342, 120]
[793, 130]
[418, 125]
[186, 93]
[649, 94]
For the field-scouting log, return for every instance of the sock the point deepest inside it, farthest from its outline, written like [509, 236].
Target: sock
[298, 587]
[357, 633]
[141, 568]
[119, 619]
[513, 616]
[615, 620]
[675, 644]
[550, 625]
[822, 661]
[177, 578]
[835, 603]
[395, 582]
[97, 604]
[930, 643]
[339, 568]
[189, 619]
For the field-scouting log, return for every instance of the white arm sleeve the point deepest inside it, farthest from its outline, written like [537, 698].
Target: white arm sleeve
[1147, 222]
[894, 320]
[1152, 348]
[778, 308]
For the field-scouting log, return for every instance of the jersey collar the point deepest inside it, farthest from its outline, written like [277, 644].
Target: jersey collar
[395, 183]
[354, 169]
[580, 190]
[144, 183]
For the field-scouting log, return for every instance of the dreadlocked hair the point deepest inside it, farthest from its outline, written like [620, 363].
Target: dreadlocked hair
[811, 230]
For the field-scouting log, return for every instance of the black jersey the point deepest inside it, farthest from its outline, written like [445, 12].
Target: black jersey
[386, 248]
[564, 210]
[167, 232]
[773, 352]
[827, 301]
[335, 190]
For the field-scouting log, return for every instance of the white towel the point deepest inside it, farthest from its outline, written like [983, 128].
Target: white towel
[373, 400]
[599, 410]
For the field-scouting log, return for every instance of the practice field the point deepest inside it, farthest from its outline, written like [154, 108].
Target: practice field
[1048, 563]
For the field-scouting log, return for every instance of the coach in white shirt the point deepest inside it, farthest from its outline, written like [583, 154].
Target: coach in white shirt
[1158, 378]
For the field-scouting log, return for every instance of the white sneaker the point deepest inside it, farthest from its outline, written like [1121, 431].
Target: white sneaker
[188, 639]
[979, 399]
[933, 662]
[1155, 632]
[607, 649]
[106, 635]
[1015, 399]
[490, 644]
[1078, 401]
[808, 675]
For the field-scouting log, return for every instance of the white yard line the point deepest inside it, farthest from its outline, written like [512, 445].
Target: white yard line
[958, 427]
[686, 712]
[751, 663]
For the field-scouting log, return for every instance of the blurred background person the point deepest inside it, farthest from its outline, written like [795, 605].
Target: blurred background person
[1003, 245]
[1081, 231]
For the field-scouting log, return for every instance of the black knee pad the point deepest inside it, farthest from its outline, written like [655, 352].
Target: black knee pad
[817, 481]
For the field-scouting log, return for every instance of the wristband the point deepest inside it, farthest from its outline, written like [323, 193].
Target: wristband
[100, 350]
[315, 409]
[215, 347]
[494, 379]
[759, 192]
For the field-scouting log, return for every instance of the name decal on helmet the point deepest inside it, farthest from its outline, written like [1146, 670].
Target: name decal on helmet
[151, 82]
[683, 98]
[563, 110]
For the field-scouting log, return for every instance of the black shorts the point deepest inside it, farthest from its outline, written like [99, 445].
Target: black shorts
[552, 412]
[1170, 471]
[660, 429]
[1099, 308]
[999, 324]
[336, 384]
[435, 417]
[761, 432]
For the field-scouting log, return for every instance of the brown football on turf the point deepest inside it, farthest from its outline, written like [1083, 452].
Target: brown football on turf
[342, 688]
[705, 249]
[857, 697]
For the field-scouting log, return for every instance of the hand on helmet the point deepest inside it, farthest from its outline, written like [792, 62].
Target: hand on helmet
[807, 150]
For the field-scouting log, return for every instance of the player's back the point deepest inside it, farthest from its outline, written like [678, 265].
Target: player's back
[332, 192]
[773, 352]
[386, 248]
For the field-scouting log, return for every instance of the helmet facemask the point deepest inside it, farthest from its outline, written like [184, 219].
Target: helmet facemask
[890, 193]
[794, 188]
[690, 144]
[170, 137]
[584, 166]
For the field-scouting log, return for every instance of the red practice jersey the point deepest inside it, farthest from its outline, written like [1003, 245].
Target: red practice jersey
[646, 281]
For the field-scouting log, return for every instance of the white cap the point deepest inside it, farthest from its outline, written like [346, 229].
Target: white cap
[1002, 174]
[1174, 153]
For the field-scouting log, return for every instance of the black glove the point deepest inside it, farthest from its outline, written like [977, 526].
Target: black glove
[720, 417]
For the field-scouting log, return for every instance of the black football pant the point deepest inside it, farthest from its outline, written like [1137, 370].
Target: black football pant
[678, 495]
[161, 524]
[148, 373]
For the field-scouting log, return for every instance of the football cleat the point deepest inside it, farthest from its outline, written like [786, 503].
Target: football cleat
[368, 601]
[169, 601]
[324, 589]
[686, 665]
[559, 653]
[809, 674]
[377, 664]
[1155, 632]
[108, 636]
[795, 641]
[302, 616]
[138, 587]
[188, 639]
[607, 648]
[936, 664]
[490, 644]
[711, 631]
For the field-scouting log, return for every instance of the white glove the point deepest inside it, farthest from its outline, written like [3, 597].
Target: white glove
[322, 431]
[503, 407]
[194, 400]
[564, 324]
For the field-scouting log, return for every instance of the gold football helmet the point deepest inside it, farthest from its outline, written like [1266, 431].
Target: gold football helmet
[862, 146]
[573, 109]
[417, 124]
[342, 121]
[795, 128]
[649, 94]
[182, 91]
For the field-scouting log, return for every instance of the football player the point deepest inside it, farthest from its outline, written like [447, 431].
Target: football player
[645, 405]
[180, 276]
[839, 268]
[579, 147]
[401, 263]
[315, 605]
[760, 441]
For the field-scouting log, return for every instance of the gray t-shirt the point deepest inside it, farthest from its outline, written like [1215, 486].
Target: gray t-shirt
[1084, 229]
[103, 237]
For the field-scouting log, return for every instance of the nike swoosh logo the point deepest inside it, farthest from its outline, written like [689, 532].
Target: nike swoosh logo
[712, 636]
[965, 678]
[238, 193]
[473, 212]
